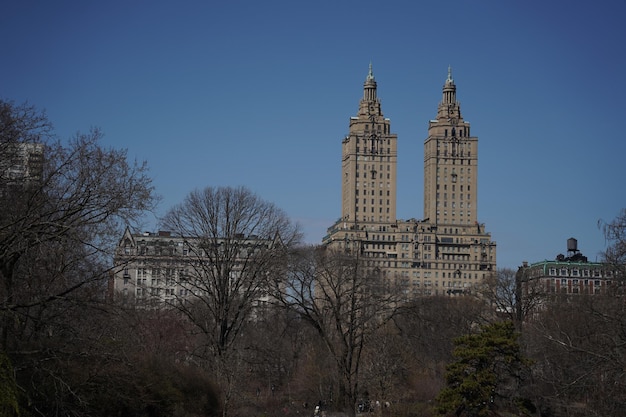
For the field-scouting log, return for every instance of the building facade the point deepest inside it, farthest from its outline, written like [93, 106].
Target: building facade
[150, 267]
[570, 274]
[446, 253]
[156, 269]
[21, 164]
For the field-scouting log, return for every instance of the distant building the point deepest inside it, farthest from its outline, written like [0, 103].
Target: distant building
[570, 274]
[156, 269]
[446, 253]
[21, 164]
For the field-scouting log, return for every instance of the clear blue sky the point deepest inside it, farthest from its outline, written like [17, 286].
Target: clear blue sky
[259, 93]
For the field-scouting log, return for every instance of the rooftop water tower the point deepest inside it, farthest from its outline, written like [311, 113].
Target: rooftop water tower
[572, 245]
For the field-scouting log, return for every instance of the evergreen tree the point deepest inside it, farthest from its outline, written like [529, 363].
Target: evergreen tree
[486, 372]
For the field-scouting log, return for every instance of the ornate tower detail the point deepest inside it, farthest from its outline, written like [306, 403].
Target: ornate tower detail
[369, 162]
[450, 164]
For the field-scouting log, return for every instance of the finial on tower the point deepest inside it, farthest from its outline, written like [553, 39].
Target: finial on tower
[449, 79]
[370, 74]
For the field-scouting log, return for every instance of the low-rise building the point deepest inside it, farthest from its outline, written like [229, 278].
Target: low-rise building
[571, 274]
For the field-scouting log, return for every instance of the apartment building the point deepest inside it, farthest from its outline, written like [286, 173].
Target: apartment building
[566, 274]
[448, 251]
[155, 269]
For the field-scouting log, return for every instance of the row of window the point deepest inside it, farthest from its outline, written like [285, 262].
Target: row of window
[576, 272]
[454, 179]
[358, 139]
[445, 187]
[461, 170]
[453, 213]
[453, 204]
[367, 158]
[564, 281]
[366, 218]
[455, 153]
[453, 160]
[367, 167]
[380, 201]
[373, 175]
[380, 210]
[462, 132]
[144, 292]
[448, 284]
[453, 195]
[373, 183]
[154, 250]
[358, 149]
[380, 192]
[453, 244]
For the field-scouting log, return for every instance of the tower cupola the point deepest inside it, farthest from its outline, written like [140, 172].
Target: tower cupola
[369, 87]
[449, 89]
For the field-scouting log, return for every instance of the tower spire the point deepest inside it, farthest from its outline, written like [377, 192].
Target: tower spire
[449, 79]
[370, 74]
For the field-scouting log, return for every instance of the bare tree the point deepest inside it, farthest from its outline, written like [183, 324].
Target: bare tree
[236, 241]
[428, 339]
[499, 290]
[577, 342]
[66, 223]
[512, 295]
[615, 234]
[63, 207]
[385, 367]
[345, 302]
[578, 345]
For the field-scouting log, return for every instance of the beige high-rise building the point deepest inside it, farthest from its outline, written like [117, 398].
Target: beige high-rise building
[368, 164]
[447, 252]
[450, 164]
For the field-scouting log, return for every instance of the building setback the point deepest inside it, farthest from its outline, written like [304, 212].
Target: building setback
[447, 252]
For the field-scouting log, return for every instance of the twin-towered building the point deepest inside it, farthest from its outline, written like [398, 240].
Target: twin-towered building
[447, 252]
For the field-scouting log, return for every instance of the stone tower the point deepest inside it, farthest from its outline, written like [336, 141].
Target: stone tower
[369, 157]
[450, 164]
